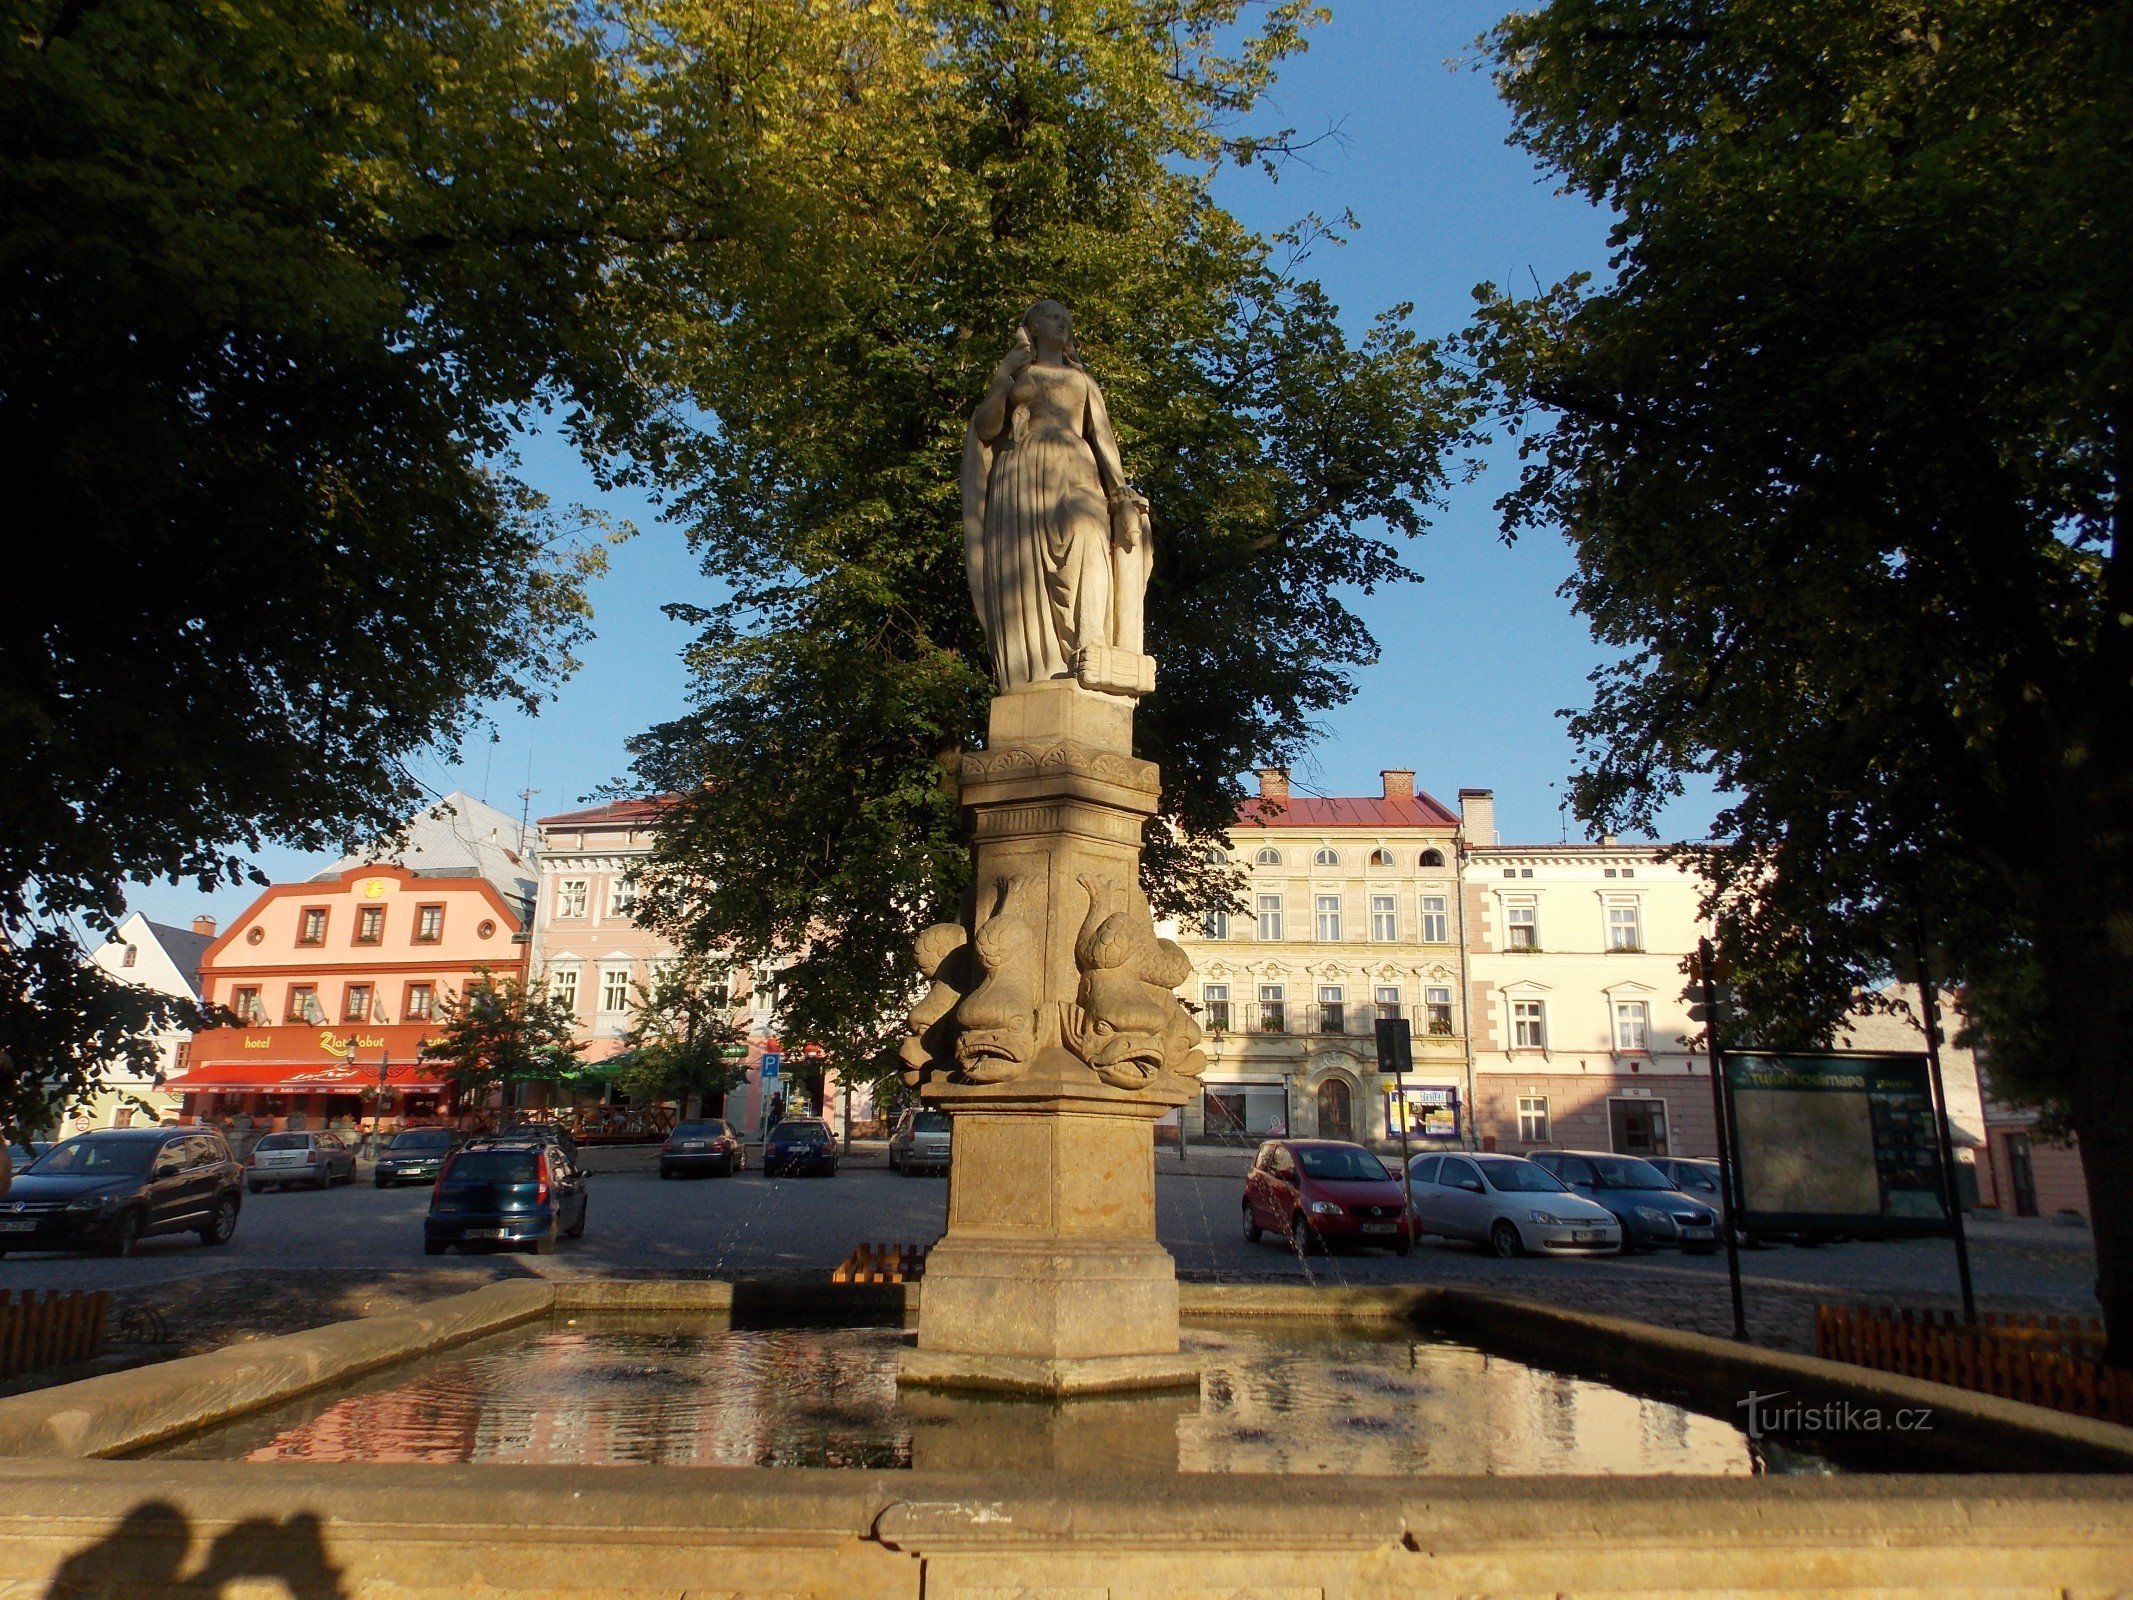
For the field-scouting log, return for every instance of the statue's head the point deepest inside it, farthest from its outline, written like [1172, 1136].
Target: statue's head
[1049, 320]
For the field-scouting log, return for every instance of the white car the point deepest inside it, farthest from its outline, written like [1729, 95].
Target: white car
[1510, 1205]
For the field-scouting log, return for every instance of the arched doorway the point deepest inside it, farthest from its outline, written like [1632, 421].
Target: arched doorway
[1336, 1110]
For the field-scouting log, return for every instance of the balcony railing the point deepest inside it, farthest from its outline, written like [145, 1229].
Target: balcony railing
[1314, 1019]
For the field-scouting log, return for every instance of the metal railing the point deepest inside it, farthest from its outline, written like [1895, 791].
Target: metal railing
[1309, 1019]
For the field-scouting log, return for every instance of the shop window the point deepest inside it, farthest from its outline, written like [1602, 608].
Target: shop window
[1529, 1025]
[1387, 1002]
[355, 1003]
[1623, 932]
[1273, 1009]
[1437, 1008]
[1268, 857]
[303, 1003]
[1214, 1007]
[1632, 1025]
[311, 925]
[1435, 858]
[570, 896]
[429, 924]
[1521, 927]
[1384, 918]
[370, 925]
[1329, 918]
[245, 1002]
[1436, 920]
[1332, 1009]
[1533, 1119]
[1270, 918]
[421, 1002]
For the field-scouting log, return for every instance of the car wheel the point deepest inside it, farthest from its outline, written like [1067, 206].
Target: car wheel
[1253, 1233]
[381, 1183]
[1405, 1246]
[221, 1223]
[665, 1173]
[1301, 1239]
[125, 1234]
[577, 1230]
[1504, 1240]
[255, 1188]
[543, 1246]
[434, 1247]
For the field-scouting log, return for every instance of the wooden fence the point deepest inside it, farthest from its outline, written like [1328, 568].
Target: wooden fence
[882, 1263]
[52, 1331]
[2041, 1361]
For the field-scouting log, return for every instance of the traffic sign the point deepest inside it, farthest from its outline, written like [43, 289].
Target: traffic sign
[772, 1062]
[1396, 1046]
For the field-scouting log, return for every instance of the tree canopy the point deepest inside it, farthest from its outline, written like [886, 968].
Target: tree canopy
[1062, 152]
[500, 1031]
[1842, 445]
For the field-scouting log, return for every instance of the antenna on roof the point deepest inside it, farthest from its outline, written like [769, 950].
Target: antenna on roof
[525, 799]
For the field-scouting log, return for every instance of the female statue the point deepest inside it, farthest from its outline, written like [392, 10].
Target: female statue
[1055, 540]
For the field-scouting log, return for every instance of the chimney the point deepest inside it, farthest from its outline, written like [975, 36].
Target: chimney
[1274, 784]
[1477, 816]
[1399, 785]
[204, 925]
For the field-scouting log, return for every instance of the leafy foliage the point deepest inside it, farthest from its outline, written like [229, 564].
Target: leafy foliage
[1843, 448]
[681, 1039]
[502, 1031]
[1061, 151]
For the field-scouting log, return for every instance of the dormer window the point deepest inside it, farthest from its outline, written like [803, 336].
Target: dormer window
[1435, 858]
[1381, 858]
[1327, 857]
[1268, 857]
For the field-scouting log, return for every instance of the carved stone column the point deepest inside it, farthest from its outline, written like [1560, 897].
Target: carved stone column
[1063, 1045]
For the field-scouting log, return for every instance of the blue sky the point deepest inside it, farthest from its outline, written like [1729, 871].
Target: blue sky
[1478, 658]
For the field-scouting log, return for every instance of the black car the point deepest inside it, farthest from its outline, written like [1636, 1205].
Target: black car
[506, 1191]
[1644, 1200]
[707, 1146]
[800, 1146]
[108, 1190]
[416, 1155]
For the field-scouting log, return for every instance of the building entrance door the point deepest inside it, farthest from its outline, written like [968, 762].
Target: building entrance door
[2021, 1176]
[1638, 1127]
[1336, 1110]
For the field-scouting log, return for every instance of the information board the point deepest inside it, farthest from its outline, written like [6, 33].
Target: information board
[1428, 1112]
[1836, 1144]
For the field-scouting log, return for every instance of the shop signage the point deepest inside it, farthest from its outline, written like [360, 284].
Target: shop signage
[1424, 1111]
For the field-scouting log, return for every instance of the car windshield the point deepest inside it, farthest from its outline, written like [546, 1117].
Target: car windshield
[1625, 1172]
[799, 1133]
[423, 1139]
[492, 1166]
[1339, 1161]
[930, 1122]
[1521, 1177]
[700, 1130]
[285, 1141]
[112, 1158]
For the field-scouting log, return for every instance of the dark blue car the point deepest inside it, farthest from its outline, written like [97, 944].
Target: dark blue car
[505, 1194]
[799, 1146]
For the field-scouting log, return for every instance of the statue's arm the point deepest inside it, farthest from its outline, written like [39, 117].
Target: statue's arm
[1096, 428]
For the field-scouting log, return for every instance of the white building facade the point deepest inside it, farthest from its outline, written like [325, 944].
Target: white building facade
[166, 960]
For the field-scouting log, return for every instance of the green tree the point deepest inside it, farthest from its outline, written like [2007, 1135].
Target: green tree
[682, 1040]
[1844, 447]
[500, 1032]
[1059, 152]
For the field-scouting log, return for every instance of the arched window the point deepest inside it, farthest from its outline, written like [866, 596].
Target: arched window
[1381, 858]
[1269, 857]
[1328, 857]
[1217, 856]
[1433, 858]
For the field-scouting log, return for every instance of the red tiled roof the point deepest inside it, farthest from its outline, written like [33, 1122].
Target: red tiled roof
[613, 811]
[1345, 811]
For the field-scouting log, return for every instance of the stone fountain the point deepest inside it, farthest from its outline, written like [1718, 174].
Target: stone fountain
[1052, 1029]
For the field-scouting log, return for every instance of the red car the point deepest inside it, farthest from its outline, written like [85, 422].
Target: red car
[1318, 1191]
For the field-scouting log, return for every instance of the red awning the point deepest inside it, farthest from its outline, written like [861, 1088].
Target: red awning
[306, 1077]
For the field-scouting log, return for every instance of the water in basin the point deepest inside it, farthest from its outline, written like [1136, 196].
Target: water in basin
[632, 1392]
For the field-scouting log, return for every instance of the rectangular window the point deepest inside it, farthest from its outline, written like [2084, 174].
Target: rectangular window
[1436, 924]
[1329, 918]
[1214, 1007]
[1216, 926]
[570, 898]
[718, 988]
[303, 1003]
[245, 1002]
[311, 925]
[1533, 1119]
[621, 898]
[563, 986]
[1273, 1009]
[1437, 1005]
[1622, 930]
[370, 925]
[1633, 1020]
[355, 1003]
[421, 1003]
[1384, 919]
[1270, 918]
[1332, 1009]
[614, 989]
[1522, 927]
[131, 956]
[1387, 998]
[1529, 1025]
[429, 924]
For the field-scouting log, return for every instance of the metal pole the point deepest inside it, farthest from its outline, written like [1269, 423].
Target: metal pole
[1949, 1194]
[1407, 1172]
[377, 1105]
[1706, 968]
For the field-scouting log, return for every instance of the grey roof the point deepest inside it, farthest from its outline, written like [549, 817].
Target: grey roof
[184, 947]
[459, 837]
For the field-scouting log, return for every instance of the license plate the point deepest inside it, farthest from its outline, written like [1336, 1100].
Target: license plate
[1587, 1236]
[696, 1147]
[484, 1233]
[1381, 1227]
[18, 1224]
[1696, 1233]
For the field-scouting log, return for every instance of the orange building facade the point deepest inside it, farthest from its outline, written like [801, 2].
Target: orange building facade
[340, 981]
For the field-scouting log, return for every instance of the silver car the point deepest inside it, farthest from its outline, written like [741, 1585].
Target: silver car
[920, 1143]
[1510, 1205]
[316, 1160]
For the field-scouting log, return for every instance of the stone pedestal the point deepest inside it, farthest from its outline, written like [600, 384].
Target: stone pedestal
[1049, 1279]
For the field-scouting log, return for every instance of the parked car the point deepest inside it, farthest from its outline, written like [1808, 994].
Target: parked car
[1316, 1192]
[416, 1155]
[920, 1143]
[800, 1146]
[1653, 1213]
[316, 1160]
[506, 1191]
[109, 1189]
[1508, 1204]
[711, 1145]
